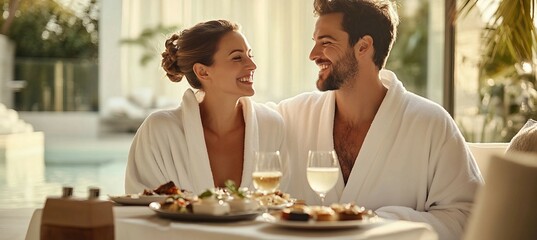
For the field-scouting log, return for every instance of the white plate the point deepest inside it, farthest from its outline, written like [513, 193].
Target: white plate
[192, 217]
[136, 199]
[275, 220]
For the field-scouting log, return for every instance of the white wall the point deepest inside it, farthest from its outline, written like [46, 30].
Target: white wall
[111, 83]
[7, 54]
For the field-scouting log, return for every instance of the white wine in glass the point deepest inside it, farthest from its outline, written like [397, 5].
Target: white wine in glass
[267, 171]
[322, 172]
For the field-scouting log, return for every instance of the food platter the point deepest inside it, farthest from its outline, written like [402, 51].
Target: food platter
[137, 199]
[311, 224]
[192, 217]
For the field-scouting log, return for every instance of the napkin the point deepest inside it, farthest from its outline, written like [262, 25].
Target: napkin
[506, 206]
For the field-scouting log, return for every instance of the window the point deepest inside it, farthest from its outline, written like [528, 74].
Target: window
[495, 93]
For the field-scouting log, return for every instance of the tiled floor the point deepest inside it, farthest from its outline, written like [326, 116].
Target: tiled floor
[74, 161]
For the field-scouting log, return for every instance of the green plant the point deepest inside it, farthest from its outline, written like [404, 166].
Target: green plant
[507, 66]
[510, 35]
[45, 28]
[146, 40]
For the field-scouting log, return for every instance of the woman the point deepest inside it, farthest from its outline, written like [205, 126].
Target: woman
[212, 136]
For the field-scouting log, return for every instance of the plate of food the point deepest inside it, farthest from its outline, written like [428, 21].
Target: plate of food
[187, 215]
[337, 216]
[148, 195]
[214, 205]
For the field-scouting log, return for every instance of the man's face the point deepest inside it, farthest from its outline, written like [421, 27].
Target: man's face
[342, 70]
[332, 53]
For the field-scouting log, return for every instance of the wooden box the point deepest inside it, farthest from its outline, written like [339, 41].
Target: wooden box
[82, 219]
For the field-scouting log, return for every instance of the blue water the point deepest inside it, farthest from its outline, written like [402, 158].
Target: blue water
[32, 193]
[26, 183]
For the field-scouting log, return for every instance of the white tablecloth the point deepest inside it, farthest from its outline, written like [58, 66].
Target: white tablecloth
[141, 223]
[14, 223]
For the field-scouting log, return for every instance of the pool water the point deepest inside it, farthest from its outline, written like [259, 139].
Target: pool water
[79, 163]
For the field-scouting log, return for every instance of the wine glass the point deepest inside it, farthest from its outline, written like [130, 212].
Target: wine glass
[322, 171]
[267, 171]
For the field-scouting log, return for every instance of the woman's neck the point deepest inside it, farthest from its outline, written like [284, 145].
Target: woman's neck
[221, 116]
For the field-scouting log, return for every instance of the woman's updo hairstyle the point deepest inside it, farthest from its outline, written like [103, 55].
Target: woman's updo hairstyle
[194, 45]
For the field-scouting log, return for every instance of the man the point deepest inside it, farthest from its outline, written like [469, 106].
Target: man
[400, 154]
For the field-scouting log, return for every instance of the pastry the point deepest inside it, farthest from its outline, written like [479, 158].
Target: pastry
[349, 211]
[324, 214]
[296, 213]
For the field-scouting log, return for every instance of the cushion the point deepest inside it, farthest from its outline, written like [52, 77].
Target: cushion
[509, 193]
[526, 139]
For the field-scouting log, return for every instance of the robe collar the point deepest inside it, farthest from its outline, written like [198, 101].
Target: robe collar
[197, 164]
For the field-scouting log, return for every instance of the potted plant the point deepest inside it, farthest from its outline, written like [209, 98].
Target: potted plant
[53, 44]
[507, 65]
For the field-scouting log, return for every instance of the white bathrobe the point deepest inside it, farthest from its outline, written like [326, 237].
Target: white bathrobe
[413, 165]
[170, 145]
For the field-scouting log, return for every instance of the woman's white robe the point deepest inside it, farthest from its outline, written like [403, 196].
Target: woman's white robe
[413, 165]
[170, 146]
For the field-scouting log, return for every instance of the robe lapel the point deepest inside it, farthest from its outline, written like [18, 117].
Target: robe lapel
[197, 162]
[251, 141]
[325, 140]
[375, 141]
[325, 129]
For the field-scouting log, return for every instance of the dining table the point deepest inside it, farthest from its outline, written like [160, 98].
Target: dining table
[141, 222]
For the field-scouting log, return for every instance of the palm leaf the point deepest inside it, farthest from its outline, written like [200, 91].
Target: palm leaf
[510, 36]
[466, 7]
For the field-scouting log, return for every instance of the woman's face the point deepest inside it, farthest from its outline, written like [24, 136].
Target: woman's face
[232, 72]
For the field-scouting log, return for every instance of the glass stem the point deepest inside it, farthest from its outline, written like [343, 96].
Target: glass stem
[322, 195]
[263, 207]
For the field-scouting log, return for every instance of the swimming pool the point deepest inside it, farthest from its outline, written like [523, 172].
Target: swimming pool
[79, 163]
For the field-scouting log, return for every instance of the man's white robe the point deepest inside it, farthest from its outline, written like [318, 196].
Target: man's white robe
[170, 146]
[413, 165]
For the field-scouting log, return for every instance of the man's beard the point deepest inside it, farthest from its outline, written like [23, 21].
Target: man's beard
[342, 71]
